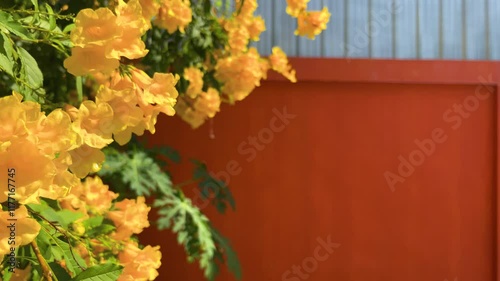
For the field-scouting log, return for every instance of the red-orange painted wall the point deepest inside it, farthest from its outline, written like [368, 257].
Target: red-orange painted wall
[321, 174]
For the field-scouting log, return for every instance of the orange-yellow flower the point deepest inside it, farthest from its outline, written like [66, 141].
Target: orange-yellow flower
[129, 217]
[25, 231]
[32, 170]
[174, 15]
[256, 27]
[54, 133]
[279, 63]
[162, 93]
[149, 8]
[126, 113]
[295, 7]
[195, 78]
[208, 102]
[139, 264]
[247, 9]
[189, 114]
[86, 159]
[97, 195]
[90, 60]
[240, 73]
[129, 17]
[12, 117]
[95, 27]
[94, 123]
[313, 23]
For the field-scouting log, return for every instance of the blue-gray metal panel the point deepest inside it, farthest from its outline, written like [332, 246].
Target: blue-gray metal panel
[284, 28]
[494, 29]
[358, 39]
[428, 29]
[334, 34]
[406, 29]
[381, 29]
[475, 29]
[265, 9]
[453, 31]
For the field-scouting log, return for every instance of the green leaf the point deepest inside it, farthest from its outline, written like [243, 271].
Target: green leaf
[68, 28]
[52, 18]
[36, 16]
[62, 217]
[59, 272]
[192, 228]
[102, 272]
[138, 170]
[102, 229]
[222, 195]
[9, 24]
[61, 251]
[92, 222]
[32, 76]
[6, 55]
[232, 260]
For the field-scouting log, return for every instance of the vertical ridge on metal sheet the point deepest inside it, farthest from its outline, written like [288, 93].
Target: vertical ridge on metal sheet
[475, 28]
[494, 29]
[265, 9]
[406, 30]
[428, 29]
[333, 38]
[284, 28]
[381, 28]
[358, 42]
[452, 29]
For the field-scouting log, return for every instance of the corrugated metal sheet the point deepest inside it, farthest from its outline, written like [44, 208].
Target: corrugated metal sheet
[401, 29]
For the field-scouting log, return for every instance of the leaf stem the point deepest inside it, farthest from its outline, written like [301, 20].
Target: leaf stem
[47, 273]
[182, 184]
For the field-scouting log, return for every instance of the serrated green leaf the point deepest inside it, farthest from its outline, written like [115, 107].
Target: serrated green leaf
[6, 65]
[61, 251]
[8, 48]
[232, 260]
[32, 76]
[9, 24]
[102, 272]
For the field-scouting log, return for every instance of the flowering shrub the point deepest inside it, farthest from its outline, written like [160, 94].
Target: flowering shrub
[79, 81]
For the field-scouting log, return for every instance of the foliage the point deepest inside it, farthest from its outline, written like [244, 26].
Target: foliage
[78, 81]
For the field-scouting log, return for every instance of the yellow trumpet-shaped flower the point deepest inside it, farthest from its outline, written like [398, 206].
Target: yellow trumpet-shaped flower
[24, 232]
[312, 23]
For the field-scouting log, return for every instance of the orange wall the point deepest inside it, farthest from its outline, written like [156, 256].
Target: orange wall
[322, 174]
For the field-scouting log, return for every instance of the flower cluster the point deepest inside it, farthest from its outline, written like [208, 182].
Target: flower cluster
[309, 23]
[101, 38]
[91, 199]
[174, 15]
[37, 147]
[42, 150]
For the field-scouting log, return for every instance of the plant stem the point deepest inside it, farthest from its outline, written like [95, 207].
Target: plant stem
[47, 273]
[182, 184]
